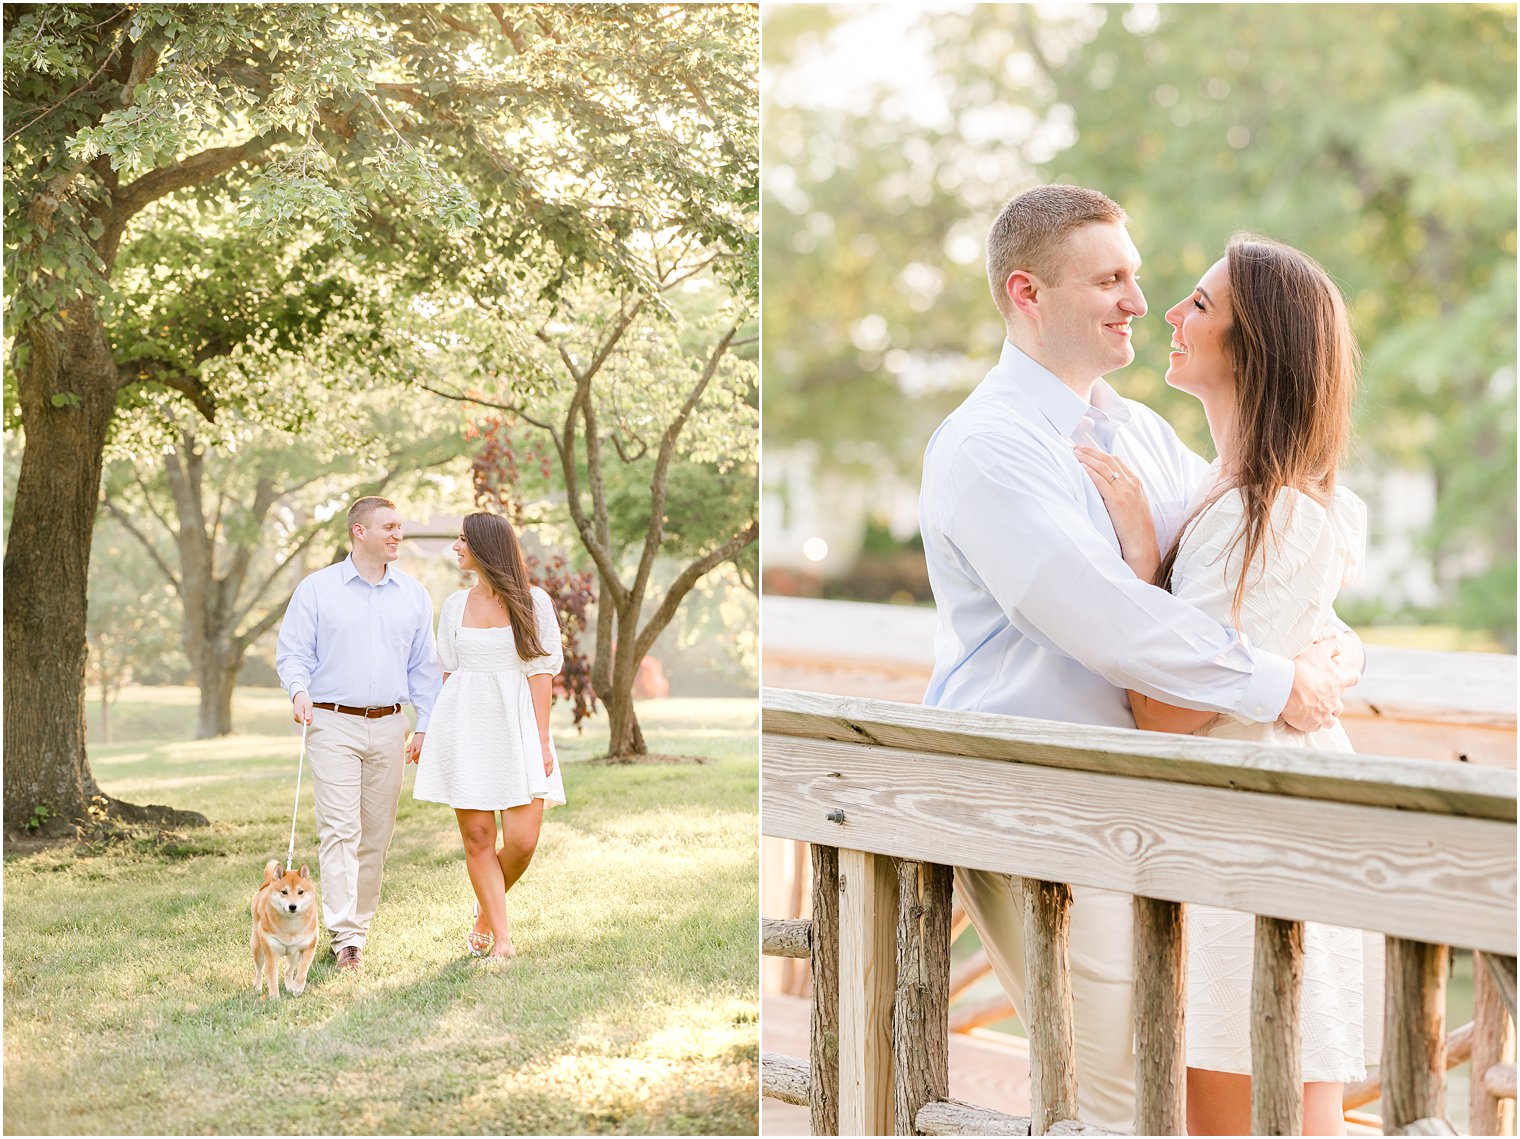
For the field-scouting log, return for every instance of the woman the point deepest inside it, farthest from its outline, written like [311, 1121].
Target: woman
[487, 748]
[1264, 343]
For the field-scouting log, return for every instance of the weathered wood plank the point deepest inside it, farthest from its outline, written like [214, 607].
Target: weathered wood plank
[1414, 1085]
[786, 937]
[1493, 1049]
[1277, 980]
[920, 1016]
[1425, 875]
[1405, 784]
[952, 1117]
[1047, 985]
[1431, 1126]
[1160, 1004]
[823, 1037]
[784, 1077]
[867, 980]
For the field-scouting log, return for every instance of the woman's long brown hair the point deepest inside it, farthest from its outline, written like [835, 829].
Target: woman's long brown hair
[499, 562]
[1295, 362]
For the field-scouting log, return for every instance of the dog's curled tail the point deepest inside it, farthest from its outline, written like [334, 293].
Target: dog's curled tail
[271, 870]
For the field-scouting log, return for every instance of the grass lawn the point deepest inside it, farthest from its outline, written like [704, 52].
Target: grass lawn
[632, 1009]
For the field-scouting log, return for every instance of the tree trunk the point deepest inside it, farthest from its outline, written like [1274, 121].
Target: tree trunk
[47, 561]
[217, 676]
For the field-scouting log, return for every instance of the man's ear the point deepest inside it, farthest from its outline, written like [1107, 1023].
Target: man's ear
[1023, 288]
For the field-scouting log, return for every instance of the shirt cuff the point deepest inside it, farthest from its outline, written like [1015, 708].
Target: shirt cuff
[296, 688]
[1271, 685]
[422, 721]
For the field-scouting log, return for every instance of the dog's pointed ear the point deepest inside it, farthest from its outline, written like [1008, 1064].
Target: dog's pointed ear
[305, 873]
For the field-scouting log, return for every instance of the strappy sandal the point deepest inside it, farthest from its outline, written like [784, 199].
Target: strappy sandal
[478, 944]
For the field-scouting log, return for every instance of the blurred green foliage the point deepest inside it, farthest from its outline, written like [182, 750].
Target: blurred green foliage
[1378, 138]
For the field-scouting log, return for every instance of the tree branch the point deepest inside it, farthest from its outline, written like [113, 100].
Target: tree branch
[657, 483]
[683, 583]
[130, 527]
[519, 44]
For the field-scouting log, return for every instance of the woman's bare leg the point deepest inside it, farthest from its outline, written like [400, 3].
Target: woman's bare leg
[478, 831]
[519, 839]
[1219, 1103]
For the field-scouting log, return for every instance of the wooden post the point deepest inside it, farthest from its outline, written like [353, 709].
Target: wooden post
[1414, 1041]
[867, 980]
[1047, 982]
[1160, 1002]
[1277, 978]
[1493, 1045]
[823, 1050]
[921, 1016]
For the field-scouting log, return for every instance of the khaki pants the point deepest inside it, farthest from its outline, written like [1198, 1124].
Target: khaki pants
[356, 768]
[1102, 982]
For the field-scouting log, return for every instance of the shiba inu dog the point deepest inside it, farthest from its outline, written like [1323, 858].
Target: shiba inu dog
[284, 927]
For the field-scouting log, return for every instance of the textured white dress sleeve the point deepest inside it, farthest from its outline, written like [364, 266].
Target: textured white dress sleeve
[448, 631]
[1291, 584]
[548, 635]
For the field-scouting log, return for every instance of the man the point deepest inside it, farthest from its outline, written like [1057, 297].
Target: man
[357, 643]
[1038, 613]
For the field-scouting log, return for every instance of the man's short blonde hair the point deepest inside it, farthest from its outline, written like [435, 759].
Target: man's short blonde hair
[364, 509]
[1031, 230]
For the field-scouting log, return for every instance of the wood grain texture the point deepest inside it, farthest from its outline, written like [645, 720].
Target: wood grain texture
[823, 1036]
[1387, 781]
[1405, 873]
[920, 1015]
[784, 1077]
[1414, 1068]
[1502, 969]
[1493, 1050]
[1047, 986]
[1277, 981]
[786, 937]
[1160, 1005]
[1394, 872]
[1500, 1082]
[867, 981]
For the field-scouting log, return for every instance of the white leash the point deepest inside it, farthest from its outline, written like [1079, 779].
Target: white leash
[290, 853]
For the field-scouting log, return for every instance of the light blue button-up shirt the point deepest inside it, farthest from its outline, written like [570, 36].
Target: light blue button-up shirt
[1038, 613]
[345, 641]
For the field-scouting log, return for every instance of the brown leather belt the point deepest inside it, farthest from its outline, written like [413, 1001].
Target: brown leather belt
[367, 713]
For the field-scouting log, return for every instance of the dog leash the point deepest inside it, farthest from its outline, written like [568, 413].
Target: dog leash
[290, 853]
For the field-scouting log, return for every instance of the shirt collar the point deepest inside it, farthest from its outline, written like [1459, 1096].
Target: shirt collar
[1060, 406]
[351, 571]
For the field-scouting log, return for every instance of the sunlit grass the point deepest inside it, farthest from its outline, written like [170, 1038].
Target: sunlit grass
[632, 1009]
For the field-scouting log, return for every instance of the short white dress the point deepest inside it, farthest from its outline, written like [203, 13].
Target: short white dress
[1311, 552]
[481, 750]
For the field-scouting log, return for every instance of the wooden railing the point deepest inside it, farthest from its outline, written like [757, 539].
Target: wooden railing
[892, 795]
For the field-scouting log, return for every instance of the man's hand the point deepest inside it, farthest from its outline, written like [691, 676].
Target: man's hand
[1319, 678]
[414, 748]
[300, 707]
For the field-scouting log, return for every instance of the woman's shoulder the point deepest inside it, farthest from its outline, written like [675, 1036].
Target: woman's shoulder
[540, 596]
[456, 599]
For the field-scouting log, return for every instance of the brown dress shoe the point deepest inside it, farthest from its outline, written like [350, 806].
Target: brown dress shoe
[348, 958]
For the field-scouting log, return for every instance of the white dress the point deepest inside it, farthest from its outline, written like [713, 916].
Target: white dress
[1310, 553]
[481, 749]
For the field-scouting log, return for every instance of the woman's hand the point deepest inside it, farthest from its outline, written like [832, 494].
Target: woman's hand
[548, 750]
[1128, 508]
